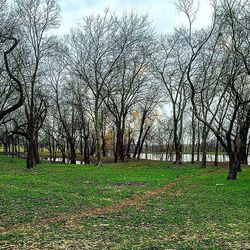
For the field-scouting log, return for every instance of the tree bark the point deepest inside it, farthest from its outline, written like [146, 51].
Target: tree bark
[216, 153]
[198, 143]
[119, 142]
[121, 148]
[177, 145]
[31, 140]
[72, 153]
[193, 138]
[36, 150]
[143, 118]
[234, 165]
[98, 135]
[244, 129]
[142, 143]
[31, 153]
[104, 146]
[86, 151]
[81, 145]
[129, 146]
[204, 146]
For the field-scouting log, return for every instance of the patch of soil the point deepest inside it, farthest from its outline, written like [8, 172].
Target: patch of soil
[130, 184]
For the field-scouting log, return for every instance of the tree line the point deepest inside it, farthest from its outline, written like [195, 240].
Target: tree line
[112, 85]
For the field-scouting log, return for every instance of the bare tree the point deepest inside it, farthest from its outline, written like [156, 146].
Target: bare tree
[227, 86]
[99, 49]
[147, 110]
[12, 96]
[169, 67]
[35, 19]
[64, 100]
[129, 82]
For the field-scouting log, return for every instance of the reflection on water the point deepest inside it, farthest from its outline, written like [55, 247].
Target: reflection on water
[61, 160]
[185, 157]
[162, 157]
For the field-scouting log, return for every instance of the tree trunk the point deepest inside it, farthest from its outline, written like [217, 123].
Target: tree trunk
[193, 138]
[121, 148]
[136, 147]
[13, 146]
[116, 151]
[86, 150]
[63, 156]
[98, 135]
[140, 133]
[31, 154]
[119, 151]
[104, 146]
[248, 147]
[81, 146]
[234, 165]
[243, 133]
[5, 147]
[37, 158]
[92, 151]
[72, 153]
[31, 143]
[62, 149]
[18, 147]
[50, 149]
[54, 149]
[142, 143]
[204, 146]
[216, 153]
[177, 145]
[198, 144]
[177, 153]
[114, 141]
[243, 138]
[36, 150]
[168, 152]
[119, 145]
[128, 148]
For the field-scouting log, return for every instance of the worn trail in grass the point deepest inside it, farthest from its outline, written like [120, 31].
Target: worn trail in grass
[148, 205]
[69, 218]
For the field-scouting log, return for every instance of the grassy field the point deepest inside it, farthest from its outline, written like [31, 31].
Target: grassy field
[146, 205]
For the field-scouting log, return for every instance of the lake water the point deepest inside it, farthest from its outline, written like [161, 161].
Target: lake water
[66, 160]
[162, 157]
[185, 157]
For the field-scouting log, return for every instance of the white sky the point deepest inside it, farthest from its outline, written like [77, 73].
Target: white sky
[162, 13]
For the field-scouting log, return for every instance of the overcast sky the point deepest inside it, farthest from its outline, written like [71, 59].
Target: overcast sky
[162, 13]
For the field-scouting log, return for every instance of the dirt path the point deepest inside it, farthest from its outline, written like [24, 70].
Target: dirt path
[134, 200]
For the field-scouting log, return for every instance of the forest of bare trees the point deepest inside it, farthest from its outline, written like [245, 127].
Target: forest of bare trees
[114, 88]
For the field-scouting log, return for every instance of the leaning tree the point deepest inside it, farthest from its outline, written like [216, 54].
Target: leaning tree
[227, 58]
[11, 89]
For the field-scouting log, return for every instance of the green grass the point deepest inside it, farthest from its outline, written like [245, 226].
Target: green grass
[194, 214]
